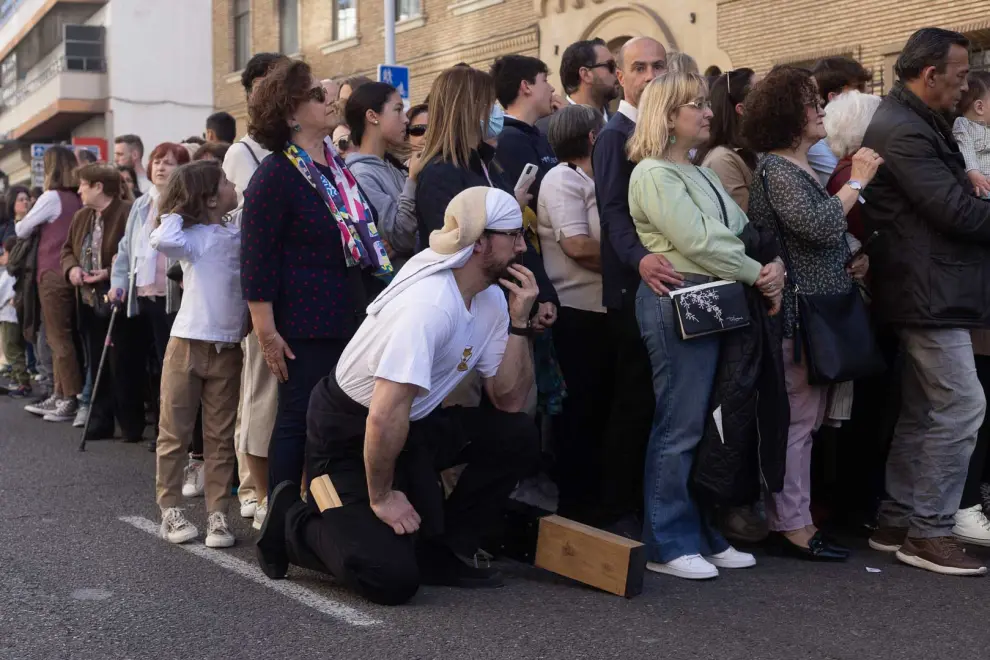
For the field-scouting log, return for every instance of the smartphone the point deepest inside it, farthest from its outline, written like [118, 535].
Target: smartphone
[527, 177]
[862, 248]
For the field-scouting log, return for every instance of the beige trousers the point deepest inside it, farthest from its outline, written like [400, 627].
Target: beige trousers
[196, 372]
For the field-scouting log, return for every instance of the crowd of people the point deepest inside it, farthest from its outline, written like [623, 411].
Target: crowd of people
[715, 310]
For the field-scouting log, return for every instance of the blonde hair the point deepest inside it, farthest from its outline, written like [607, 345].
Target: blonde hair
[60, 169]
[659, 103]
[678, 62]
[847, 117]
[460, 100]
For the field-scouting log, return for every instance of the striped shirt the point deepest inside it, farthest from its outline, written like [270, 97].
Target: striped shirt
[974, 143]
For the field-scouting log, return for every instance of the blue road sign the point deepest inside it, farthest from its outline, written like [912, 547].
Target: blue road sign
[38, 150]
[396, 76]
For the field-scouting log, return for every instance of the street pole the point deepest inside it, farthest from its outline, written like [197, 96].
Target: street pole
[390, 32]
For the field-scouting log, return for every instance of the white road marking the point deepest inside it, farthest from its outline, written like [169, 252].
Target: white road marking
[251, 572]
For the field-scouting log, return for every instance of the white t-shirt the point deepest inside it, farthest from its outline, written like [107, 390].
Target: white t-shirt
[426, 337]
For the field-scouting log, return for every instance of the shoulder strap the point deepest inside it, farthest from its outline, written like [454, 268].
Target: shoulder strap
[251, 151]
[718, 196]
[788, 264]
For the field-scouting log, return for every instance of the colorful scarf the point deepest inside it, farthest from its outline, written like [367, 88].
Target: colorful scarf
[362, 245]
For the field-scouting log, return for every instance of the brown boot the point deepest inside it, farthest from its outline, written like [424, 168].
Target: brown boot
[942, 554]
[888, 539]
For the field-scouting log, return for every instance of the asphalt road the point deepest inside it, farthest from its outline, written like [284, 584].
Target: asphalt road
[76, 581]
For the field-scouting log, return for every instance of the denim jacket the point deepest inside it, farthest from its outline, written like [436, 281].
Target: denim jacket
[123, 273]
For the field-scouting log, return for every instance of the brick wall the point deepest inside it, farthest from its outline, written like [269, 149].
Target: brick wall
[760, 33]
[444, 40]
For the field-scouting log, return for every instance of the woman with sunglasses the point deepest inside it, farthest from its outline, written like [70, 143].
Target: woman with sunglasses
[419, 117]
[311, 257]
[682, 212]
[724, 152]
[378, 124]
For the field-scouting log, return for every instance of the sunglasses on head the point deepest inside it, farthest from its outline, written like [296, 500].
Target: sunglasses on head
[318, 93]
[417, 130]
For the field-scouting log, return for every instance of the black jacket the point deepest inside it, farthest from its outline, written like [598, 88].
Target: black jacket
[733, 463]
[930, 264]
[621, 247]
[521, 144]
[440, 181]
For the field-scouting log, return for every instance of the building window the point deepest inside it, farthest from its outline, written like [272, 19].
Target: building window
[406, 9]
[288, 26]
[242, 33]
[344, 19]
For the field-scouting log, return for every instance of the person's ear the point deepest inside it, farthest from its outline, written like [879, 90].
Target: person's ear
[831, 97]
[371, 117]
[212, 201]
[740, 109]
[928, 75]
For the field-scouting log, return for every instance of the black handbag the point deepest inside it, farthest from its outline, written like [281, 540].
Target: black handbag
[835, 329]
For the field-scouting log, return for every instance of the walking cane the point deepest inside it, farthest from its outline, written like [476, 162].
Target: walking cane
[115, 307]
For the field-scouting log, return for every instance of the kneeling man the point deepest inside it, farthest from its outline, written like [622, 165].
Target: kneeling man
[377, 428]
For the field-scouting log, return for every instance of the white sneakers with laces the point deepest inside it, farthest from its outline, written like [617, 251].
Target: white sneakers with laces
[81, 415]
[972, 526]
[175, 528]
[43, 408]
[193, 482]
[248, 507]
[696, 567]
[259, 514]
[64, 411]
[217, 533]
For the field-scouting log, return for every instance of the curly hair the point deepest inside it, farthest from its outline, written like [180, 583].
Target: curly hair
[277, 95]
[775, 114]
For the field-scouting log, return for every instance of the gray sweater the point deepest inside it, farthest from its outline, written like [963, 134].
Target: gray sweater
[394, 197]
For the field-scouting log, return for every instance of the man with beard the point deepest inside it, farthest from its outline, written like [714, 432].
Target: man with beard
[377, 428]
[588, 75]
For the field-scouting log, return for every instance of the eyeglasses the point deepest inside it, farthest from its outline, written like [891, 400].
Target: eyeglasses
[817, 104]
[344, 143]
[318, 94]
[697, 104]
[510, 233]
[417, 130]
[610, 65]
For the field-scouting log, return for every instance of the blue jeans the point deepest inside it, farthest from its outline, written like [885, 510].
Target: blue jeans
[683, 374]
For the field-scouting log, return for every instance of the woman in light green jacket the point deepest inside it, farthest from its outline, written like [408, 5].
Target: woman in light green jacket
[681, 211]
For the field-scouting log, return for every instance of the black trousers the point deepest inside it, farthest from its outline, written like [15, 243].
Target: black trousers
[352, 544]
[152, 313]
[978, 461]
[630, 413]
[587, 361]
[315, 358]
[118, 395]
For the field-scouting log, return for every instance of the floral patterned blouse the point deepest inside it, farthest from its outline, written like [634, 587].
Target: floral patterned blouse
[814, 227]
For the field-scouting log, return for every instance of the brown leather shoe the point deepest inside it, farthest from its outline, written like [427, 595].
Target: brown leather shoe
[888, 539]
[742, 524]
[942, 554]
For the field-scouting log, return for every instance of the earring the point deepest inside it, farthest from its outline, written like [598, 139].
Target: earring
[673, 139]
[375, 122]
[296, 127]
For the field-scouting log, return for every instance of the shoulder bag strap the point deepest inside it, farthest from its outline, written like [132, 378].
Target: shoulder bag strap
[721, 204]
[251, 151]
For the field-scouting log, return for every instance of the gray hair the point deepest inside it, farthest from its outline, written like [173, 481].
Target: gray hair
[569, 129]
[680, 62]
[846, 119]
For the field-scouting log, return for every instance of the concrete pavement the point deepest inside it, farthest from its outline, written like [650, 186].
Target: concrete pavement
[77, 581]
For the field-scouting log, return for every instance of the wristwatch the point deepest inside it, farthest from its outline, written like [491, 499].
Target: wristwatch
[854, 184]
[522, 332]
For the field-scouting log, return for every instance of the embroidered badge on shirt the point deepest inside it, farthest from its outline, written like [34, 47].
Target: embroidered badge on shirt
[463, 366]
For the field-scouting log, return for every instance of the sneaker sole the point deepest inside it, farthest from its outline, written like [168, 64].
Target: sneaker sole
[37, 411]
[192, 494]
[250, 515]
[181, 538]
[880, 547]
[214, 542]
[918, 562]
[59, 418]
[666, 570]
[718, 563]
[258, 524]
[972, 540]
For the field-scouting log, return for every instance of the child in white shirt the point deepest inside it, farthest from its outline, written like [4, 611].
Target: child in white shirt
[203, 359]
[11, 335]
[971, 132]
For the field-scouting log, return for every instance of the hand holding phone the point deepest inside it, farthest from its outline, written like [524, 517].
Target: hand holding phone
[527, 178]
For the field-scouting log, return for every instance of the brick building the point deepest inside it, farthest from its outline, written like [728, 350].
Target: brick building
[345, 37]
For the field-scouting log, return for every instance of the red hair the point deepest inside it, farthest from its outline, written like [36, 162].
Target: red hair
[180, 153]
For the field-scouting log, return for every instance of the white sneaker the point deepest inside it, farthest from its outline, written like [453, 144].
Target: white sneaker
[732, 558]
[259, 515]
[65, 411]
[248, 507]
[217, 533]
[193, 483]
[175, 528]
[44, 407]
[689, 567]
[81, 415]
[972, 526]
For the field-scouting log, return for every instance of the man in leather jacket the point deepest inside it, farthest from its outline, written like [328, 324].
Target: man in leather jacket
[931, 284]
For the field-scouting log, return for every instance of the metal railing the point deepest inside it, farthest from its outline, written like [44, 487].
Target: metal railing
[11, 97]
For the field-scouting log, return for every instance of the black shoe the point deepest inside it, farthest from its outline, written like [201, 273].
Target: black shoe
[440, 567]
[133, 440]
[270, 548]
[97, 431]
[818, 548]
[153, 445]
